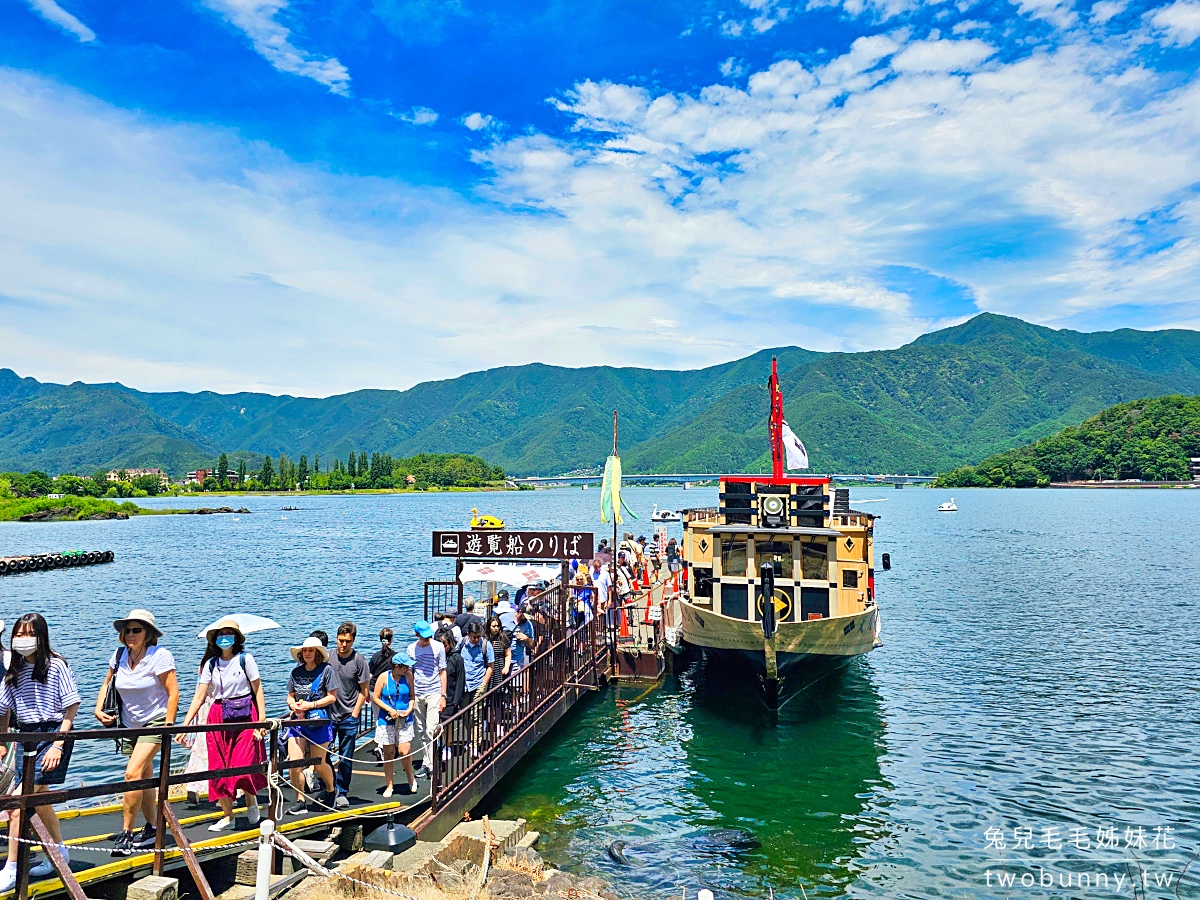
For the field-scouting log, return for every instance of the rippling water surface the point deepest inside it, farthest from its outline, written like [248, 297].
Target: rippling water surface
[1038, 673]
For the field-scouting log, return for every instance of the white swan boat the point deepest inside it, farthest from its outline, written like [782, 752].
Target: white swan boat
[948, 507]
[665, 515]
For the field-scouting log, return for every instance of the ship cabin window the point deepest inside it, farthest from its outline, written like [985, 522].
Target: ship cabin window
[735, 601]
[814, 560]
[850, 578]
[702, 582]
[733, 556]
[778, 553]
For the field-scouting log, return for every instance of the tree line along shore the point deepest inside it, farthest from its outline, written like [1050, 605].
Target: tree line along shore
[1155, 439]
[107, 493]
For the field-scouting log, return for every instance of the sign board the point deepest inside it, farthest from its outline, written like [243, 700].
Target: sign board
[654, 614]
[560, 545]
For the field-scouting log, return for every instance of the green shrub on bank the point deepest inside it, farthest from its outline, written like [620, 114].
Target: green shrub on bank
[84, 507]
[1150, 440]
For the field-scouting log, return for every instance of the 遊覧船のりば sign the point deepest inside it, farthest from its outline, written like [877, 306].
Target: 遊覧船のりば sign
[560, 545]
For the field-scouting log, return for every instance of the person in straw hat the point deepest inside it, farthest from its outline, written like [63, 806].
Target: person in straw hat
[144, 676]
[230, 675]
[311, 691]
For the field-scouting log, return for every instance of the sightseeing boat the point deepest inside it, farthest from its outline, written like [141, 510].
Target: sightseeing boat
[795, 541]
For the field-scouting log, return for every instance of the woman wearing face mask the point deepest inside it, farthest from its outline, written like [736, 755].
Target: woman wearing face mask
[40, 689]
[149, 691]
[231, 676]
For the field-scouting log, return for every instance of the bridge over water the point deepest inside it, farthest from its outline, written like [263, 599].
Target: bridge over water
[694, 478]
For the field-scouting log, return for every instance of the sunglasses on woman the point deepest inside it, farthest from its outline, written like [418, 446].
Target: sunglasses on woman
[133, 629]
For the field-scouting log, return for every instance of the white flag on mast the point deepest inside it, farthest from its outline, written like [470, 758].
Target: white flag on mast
[797, 456]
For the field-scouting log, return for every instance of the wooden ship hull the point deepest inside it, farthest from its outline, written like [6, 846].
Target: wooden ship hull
[793, 657]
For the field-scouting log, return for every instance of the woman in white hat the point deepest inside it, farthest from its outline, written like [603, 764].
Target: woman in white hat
[312, 689]
[144, 674]
[230, 675]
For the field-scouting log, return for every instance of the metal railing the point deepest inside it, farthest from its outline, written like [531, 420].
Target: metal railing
[442, 596]
[471, 739]
[26, 800]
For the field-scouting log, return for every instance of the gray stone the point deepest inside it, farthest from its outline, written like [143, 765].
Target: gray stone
[557, 883]
[526, 856]
[154, 887]
[594, 885]
[450, 881]
[506, 885]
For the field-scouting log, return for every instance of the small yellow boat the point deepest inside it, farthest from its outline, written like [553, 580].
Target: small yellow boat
[485, 523]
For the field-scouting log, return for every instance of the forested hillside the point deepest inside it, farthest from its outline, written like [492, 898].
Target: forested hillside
[951, 397]
[1146, 439]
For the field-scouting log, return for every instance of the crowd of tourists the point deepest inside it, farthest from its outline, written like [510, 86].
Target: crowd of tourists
[413, 687]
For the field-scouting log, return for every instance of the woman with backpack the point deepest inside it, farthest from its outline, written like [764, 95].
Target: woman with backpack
[147, 695]
[312, 689]
[230, 675]
[38, 693]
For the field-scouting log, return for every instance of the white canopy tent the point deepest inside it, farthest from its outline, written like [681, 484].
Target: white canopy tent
[512, 574]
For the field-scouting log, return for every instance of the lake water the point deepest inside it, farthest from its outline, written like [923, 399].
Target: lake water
[1036, 688]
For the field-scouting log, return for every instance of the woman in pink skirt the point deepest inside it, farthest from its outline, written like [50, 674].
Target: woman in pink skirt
[229, 675]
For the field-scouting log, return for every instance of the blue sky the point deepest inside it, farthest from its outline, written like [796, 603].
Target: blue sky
[316, 197]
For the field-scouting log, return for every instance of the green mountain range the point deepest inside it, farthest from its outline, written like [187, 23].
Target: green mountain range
[950, 397]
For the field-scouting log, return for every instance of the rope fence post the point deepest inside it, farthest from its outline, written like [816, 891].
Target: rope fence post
[28, 764]
[164, 798]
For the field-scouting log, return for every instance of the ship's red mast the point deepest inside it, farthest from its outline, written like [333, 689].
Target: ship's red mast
[775, 424]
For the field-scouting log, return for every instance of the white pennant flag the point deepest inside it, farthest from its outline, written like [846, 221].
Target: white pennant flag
[797, 456]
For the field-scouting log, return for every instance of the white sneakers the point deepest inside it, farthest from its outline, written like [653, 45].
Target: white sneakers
[387, 792]
[221, 824]
[8, 877]
[253, 813]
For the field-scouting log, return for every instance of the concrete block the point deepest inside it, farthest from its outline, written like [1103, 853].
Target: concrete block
[154, 887]
[247, 866]
[375, 859]
[414, 860]
[530, 839]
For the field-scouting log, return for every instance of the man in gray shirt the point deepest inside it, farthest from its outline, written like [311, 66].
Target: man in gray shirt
[351, 678]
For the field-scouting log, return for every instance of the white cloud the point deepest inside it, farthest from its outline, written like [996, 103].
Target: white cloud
[1180, 22]
[1104, 10]
[55, 14]
[769, 14]
[968, 25]
[477, 121]
[732, 67]
[1044, 187]
[418, 115]
[943, 56]
[272, 41]
[1057, 12]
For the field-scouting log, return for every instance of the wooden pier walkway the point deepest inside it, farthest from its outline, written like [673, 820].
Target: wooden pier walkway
[474, 750]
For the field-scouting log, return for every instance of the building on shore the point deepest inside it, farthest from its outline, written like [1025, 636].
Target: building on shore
[199, 475]
[1194, 468]
[130, 474]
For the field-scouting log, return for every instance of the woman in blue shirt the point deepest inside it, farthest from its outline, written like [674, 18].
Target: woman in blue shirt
[311, 691]
[394, 700]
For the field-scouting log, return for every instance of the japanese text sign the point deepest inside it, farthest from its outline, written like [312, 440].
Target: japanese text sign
[561, 545]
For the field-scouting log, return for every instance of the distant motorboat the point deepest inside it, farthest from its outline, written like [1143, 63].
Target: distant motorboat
[948, 507]
[665, 515]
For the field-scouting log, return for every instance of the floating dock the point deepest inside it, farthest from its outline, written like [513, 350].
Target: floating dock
[66, 559]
